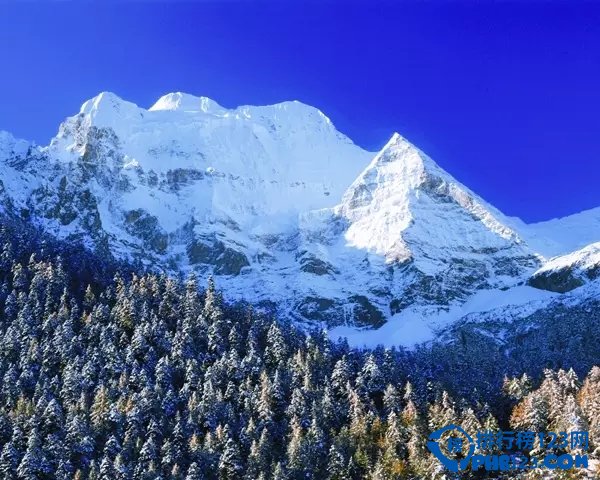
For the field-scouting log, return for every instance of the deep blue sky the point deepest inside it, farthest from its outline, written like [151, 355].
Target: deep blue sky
[503, 95]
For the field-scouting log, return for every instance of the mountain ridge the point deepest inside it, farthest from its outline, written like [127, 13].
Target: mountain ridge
[277, 203]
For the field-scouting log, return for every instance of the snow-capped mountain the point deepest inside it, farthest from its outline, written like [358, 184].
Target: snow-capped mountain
[284, 209]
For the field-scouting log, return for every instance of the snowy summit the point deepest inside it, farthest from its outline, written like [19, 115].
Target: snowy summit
[287, 213]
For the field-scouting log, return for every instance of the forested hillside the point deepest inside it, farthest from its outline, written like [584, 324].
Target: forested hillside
[144, 377]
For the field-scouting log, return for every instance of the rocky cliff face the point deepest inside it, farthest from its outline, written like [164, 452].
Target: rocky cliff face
[274, 201]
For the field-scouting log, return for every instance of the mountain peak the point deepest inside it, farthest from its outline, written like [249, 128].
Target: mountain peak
[103, 101]
[400, 165]
[409, 160]
[108, 109]
[184, 102]
[404, 201]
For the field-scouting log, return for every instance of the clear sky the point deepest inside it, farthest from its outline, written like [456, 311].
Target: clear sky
[505, 95]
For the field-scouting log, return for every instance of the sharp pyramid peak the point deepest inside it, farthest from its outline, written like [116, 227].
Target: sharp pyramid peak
[407, 156]
[401, 163]
[403, 178]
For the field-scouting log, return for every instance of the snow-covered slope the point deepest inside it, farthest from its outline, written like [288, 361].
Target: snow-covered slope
[563, 235]
[422, 323]
[405, 207]
[409, 233]
[285, 210]
[17, 179]
[567, 272]
[240, 164]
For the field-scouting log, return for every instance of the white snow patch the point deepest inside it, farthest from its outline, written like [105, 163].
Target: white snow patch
[420, 324]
